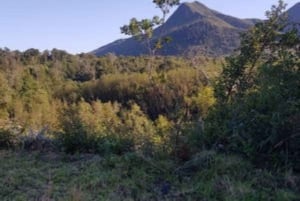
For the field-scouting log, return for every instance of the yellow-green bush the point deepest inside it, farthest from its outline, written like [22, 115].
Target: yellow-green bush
[99, 127]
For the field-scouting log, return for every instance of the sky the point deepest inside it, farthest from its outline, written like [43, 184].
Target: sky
[84, 25]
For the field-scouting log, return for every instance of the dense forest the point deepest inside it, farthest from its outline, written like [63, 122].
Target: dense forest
[225, 121]
[82, 98]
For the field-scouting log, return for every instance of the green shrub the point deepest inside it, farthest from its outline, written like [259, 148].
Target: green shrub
[105, 128]
[8, 139]
[258, 100]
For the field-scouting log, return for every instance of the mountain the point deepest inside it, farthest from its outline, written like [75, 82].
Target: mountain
[194, 28]
[294, 13]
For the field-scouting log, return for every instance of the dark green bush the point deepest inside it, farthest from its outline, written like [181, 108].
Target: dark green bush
[8, 139]
[258, 100]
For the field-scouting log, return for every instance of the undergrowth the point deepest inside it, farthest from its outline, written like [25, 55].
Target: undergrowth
[207, 176]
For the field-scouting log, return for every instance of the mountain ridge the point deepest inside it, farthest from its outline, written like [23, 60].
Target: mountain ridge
[194, 28]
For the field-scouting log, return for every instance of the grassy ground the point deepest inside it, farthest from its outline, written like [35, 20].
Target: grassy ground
[209, 176]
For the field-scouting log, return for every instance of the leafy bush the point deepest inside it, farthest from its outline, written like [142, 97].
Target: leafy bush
[7, 139]
[103, 127]
[10, 135]
[258, 100]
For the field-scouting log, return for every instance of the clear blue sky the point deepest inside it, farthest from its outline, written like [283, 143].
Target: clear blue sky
[84, 25]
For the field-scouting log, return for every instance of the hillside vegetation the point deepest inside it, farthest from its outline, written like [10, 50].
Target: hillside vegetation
[79, 127]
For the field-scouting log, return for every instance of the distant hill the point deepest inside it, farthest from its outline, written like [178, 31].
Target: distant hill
[294, 13]
[194, 28]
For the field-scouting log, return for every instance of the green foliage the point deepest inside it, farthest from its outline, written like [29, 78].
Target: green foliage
[10, 135]
[5, 97]
[138, 128]
[72, 95]
[202, 101]
[258, 95]
[90, 128]
[7, 139]
[165, 94]
[143, 29]
[163, 134]
[166, 5]
[105, 128]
